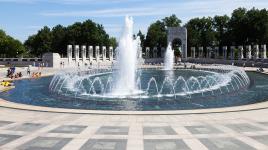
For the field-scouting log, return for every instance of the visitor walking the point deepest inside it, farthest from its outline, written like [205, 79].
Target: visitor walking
[28, 71]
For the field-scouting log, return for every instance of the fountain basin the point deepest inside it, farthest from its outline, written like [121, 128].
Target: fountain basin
[36, 92]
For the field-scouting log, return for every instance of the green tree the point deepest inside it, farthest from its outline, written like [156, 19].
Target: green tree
[59, 41]
[41, 42]
[200, 32]
[239, 27]
[9, 46]
[156, 35]
[112, 42]
[220, 25]
[56, 40]
[172, 21]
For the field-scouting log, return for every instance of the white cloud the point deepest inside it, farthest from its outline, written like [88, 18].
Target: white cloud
[188, 9]
[69, 2]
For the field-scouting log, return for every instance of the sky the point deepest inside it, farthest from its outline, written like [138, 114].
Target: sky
[22, 18]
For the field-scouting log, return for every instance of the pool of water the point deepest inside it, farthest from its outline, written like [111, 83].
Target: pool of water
[37, 92]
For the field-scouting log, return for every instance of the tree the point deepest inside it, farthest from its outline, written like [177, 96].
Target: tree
[220, 26]
[112, 42]
[200, 32]
[40, 43]
[156, 35]
[238, 27]
[79, 33]
[59, 41]
[9, 46]
[172, 21]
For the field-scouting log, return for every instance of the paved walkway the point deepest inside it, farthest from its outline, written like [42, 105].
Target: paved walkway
[23, 130]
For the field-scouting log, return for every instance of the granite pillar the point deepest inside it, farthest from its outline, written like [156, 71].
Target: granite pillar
[241, 52]
[248, 51]
[224, 48]
[76, 53]
[111, 54]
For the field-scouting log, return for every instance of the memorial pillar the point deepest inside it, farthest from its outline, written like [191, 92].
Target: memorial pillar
[147, 52]
[70, 53]
[104, 53]
[97, 52]
[256, 51]
[232, 53]
[241, 52]
[263, 52]
[90, 53]
[248, 51]
[76, 53]
[84, 53]
[217, 52]
[111, 54]
[209, 52]
[193, 52]
[155, 52]
[224, 48]
[200, 51]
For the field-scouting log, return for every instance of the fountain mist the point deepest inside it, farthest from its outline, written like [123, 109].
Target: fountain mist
[169, 58]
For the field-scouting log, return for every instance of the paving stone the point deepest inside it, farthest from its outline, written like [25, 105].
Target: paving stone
[261, 138]
[202, 129]
[6, 138]
[165, 144]
[4, 123]
[165, 130]
[45, 143]
[27, 127]
[225, 144]
[263, 123]
[113, 130]
[243, 127]
[69, 129]
[105, 144]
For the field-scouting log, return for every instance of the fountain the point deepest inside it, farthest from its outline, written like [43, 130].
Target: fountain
[127, 61]
[125, 83]
[169, 58]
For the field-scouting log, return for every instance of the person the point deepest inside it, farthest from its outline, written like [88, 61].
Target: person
[62, 64]
[20, 74]
[28, 71]
[260, 69]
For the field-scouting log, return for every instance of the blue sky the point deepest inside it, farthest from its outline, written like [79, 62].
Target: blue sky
[21, 18]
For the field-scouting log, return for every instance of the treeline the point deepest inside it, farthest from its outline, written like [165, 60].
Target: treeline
[56, 39]
[241, 28]
[10, 47]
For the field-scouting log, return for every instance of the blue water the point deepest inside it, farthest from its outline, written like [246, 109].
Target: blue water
[36, 92]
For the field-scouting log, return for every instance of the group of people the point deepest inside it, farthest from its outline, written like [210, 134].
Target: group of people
[36, 74]
[61, 64]
[11, 73]
[6, 83]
